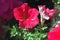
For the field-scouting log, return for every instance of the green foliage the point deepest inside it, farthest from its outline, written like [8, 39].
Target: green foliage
[35, 36]
[16, 31]
[38, 34]
[56, 1]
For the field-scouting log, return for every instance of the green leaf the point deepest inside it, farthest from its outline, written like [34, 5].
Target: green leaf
[43, 28]
[13, 31]
[55, 1]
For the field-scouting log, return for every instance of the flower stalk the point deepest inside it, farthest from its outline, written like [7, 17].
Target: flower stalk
[41, 15]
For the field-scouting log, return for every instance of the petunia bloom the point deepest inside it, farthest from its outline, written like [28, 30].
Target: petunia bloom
[27, 16]
[55, 33]
[46, 13]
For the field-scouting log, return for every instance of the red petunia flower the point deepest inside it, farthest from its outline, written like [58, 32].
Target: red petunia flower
[27, 16]
[55, 33]
[46, 13]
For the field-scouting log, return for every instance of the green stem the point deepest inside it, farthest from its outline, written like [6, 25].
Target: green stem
[42, 21]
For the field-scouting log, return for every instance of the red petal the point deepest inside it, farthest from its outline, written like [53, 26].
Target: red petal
[21, 12]
[54, 34]
[33, 13]
[30, 23]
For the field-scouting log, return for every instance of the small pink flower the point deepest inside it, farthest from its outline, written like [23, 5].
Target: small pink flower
[27, 16]
[55, 33]
[46, 13]
[50, 13]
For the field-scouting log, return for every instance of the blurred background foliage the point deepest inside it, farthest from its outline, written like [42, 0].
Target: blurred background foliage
[56, 1]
